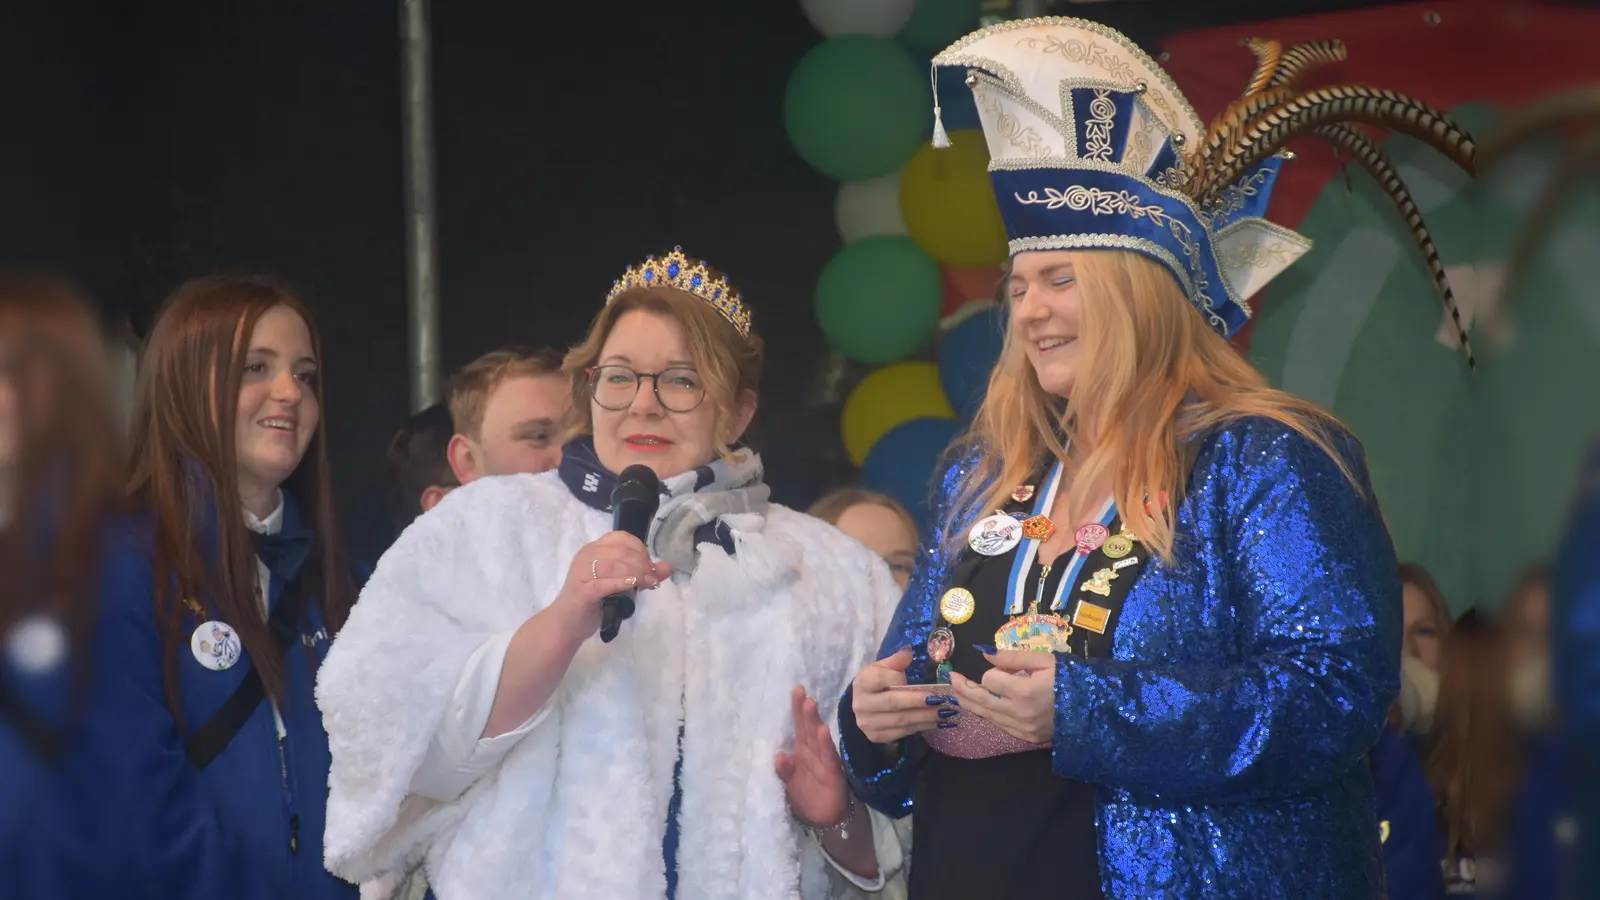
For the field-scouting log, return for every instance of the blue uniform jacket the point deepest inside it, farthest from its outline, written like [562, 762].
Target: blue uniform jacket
[1408, 821]
[250, 824]
[1544, 830]
[1575, 644]
[1228, 735]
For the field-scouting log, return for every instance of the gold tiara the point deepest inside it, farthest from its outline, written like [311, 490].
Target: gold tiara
[690, 276]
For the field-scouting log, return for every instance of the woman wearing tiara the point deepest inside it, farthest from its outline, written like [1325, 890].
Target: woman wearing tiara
[480, 728]
[1167, 685]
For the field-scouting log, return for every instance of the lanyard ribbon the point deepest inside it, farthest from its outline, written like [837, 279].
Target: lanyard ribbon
[1016, 584]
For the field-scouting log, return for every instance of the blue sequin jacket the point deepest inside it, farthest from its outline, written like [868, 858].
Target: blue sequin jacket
[1227, 734]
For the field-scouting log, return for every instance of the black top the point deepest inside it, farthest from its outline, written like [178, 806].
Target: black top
[1007, 826]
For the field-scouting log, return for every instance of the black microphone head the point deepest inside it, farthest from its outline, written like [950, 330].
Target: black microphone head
[634, 500]
[637, 482]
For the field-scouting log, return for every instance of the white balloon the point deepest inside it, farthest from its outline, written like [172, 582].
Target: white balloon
[868, 208]
[883, 18]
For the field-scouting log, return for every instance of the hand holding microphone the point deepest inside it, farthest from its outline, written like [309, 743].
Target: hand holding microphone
[605, 573]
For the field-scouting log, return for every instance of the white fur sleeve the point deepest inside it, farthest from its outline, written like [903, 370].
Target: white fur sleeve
[867, 597]
[456, 579]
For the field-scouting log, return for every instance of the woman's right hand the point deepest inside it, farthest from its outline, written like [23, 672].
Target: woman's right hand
[616, 563]
[886, 715]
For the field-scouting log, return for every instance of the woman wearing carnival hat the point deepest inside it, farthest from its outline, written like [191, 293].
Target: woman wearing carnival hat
[1167, 684]
[479, 728]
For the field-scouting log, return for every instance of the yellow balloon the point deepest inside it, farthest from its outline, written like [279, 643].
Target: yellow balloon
[891, 395]
[948, 203]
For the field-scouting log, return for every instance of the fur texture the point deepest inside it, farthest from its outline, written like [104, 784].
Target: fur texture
[578, 808]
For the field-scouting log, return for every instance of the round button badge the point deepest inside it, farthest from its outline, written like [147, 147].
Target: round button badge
[216, 646]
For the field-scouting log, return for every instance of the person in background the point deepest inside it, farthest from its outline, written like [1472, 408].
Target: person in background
[416, 468]
[1526, 620]
[877, 520]
[1542, 844]
[1575, 647]
[221, 596]
[1408, 823]
[479, 725]
[1427, 621]
[61, 481]
[511, 409]
[1473, 756]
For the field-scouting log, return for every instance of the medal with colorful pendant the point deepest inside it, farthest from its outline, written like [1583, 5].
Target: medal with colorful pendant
[1038, 629]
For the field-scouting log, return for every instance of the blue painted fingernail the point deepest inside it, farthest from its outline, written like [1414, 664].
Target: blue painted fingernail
[949, 713]
[951, 699]
[934, 699]
[984, 648]
[948, 724]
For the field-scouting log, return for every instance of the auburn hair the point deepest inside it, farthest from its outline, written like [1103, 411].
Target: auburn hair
[184, 463]
[66, 471]
[1472, 755]
[1417, 574]
[1152, 376]
[728, 362]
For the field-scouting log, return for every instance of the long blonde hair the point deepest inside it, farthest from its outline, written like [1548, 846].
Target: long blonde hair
[1157, 374]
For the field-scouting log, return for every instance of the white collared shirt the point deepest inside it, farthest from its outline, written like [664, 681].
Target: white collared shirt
[272, 524]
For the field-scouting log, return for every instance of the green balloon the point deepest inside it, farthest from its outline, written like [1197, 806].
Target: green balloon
[878, 299]
[857, 107]
[936, 24]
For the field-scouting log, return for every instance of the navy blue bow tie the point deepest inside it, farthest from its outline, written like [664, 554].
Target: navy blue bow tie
[282, 553]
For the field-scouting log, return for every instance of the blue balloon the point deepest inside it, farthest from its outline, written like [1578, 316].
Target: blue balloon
[957, 109]
[903, 462]
[968, 356]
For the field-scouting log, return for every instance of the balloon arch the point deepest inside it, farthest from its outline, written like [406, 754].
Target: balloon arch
[922, 237]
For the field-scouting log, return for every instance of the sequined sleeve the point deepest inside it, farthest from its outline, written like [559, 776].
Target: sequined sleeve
[1297, 564]
[882, 776]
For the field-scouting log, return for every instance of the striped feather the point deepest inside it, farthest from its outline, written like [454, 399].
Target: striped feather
[1332, 105]
[1268, 54]
[1302, 58]
[1372, 158]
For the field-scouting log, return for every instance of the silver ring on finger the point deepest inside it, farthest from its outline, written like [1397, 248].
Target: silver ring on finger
[594, 569]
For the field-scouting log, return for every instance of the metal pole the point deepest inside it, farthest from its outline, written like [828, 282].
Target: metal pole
[422, 254]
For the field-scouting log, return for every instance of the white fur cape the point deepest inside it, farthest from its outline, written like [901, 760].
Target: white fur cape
[578, 807]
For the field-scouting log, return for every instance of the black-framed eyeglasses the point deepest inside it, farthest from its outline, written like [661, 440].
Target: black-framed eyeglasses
[677, 389]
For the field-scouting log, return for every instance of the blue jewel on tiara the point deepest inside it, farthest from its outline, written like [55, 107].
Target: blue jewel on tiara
[690, 276]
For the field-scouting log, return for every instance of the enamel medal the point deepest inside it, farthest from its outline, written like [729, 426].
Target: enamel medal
[941, 644]
[1038, 528]
[1091, 536]
[1117, 546]
[1023, 494]
[994, 535]
[957, 605]
[216, 646]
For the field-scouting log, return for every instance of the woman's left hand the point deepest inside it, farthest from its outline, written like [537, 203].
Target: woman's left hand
[1018, 694]
[813, 775]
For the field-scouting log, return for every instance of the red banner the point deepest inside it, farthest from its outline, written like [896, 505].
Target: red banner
[1500, 52]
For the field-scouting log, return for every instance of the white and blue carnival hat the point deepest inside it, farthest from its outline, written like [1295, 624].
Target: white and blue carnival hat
[1092, 146]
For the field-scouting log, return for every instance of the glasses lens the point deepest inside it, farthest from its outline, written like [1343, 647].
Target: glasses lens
[613, 387]
[680, 390]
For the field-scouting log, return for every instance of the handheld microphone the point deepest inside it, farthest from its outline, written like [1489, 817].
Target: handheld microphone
[633, 506]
